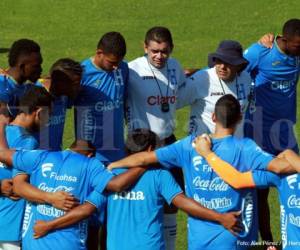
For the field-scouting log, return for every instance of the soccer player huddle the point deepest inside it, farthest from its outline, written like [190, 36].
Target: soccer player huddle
[240, 142]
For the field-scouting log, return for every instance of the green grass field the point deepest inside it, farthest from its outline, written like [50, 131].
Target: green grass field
[72, 29]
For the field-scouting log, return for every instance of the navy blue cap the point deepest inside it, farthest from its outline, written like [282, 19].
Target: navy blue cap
[230, 52]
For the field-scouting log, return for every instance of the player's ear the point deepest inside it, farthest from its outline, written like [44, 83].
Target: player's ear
[150, 148]
[99, 52]
[38, 112]
[146, 48]
[90, 154]
[213, 117]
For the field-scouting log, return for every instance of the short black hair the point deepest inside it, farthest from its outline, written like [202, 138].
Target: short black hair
[83, 147]
[113, 43]
[228, 111]
[159, 34]
[34, 98]
[140, 140]
[20, 48]
[291, 28]
[61, 70]
[67, 65]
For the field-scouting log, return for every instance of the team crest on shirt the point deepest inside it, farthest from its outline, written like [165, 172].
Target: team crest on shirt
[172, 76]
[97, 82]
[118, 77]
[275, 63]
[247, 212]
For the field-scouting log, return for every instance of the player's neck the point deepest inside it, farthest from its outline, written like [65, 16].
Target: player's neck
[13, 72]
[221, 132]
[281, 43]
[23, 121]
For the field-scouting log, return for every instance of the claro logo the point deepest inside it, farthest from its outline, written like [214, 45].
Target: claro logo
[158, 100]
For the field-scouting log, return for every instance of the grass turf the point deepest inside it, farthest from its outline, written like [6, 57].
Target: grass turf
[67, 28]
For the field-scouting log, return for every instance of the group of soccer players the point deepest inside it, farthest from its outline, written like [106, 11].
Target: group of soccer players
[54, 199]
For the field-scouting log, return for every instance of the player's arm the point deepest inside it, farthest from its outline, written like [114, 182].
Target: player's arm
[190, 71]
[134, 160]
[6, 155]
[267, 40]
[229, 220]
[125, 180]
[60, 199]
[293, 159]
[6, 189]
[223, 169]
[77, 214]
[227, 172]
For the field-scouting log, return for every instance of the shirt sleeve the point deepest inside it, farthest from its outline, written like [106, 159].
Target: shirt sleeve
[100, 176]
[187, 92]
[4, 94]
[170, 156]
[98, 200]
[264, 179]
[27, 142]
[252, 54]
[167, 186]
[255, 157]
[27, 161]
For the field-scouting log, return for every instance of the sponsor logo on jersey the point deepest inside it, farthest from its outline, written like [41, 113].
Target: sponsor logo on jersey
[197, 161]
[47, 172]
[87, 124]
[216, 93]
[283, 225]
[216, 184]
[108, 105]
[43, 186]
[48, 210]
[293, 202]
[158, 100]
[282, 86]
[129, 195]
[27, 218]
[63, 177]
[295, 220]
[56, 119]
[216, 203]
[148, 77]
[292, 180]
[46, 167]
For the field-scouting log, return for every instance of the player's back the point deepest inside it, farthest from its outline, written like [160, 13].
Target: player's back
[135, 216]
[11, 91]
[59, 171]
[11, 211]
[207, 188]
